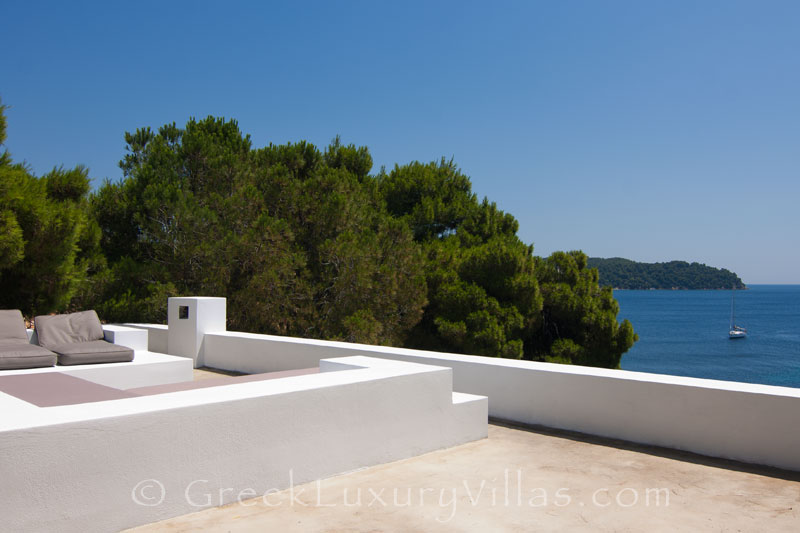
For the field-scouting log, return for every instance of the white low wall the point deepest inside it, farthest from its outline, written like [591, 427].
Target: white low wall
[133, 338]
[111, 465]
[157, 336]
[752, 423]
[147, 368]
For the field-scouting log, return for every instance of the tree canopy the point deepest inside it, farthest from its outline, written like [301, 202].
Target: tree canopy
[297, 239]
[303, 242]
[488, 294]
[579, 318]
[48, 243]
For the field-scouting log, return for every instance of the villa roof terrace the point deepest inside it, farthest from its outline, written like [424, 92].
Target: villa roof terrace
[521, 478]
[205, 447]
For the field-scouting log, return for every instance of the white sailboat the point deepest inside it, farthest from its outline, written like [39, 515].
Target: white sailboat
[736, 332]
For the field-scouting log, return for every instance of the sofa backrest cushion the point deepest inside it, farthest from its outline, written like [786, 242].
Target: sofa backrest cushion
[12, 327]
[54, 330]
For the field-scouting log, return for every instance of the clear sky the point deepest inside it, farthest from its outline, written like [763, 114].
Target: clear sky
[652, 130]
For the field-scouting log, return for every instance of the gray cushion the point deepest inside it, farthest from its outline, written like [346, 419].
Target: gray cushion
[54, 330]
[90, 352]
[12, 327]
[24, 355]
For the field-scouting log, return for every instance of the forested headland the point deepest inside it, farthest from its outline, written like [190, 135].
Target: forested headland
[302, 241]
[626, 274]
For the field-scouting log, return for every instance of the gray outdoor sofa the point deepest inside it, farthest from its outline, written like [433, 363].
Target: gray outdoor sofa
[15, 349]
[78, 339]
[72, 339]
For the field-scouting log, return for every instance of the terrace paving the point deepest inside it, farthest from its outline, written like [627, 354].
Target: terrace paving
[524, 479]
[205, 372]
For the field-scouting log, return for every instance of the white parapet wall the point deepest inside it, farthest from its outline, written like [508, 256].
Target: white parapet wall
[157, 336]
[133, 338]
[752, 423]
[110, 465]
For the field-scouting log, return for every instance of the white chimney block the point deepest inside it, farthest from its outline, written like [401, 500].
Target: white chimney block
[189, 319]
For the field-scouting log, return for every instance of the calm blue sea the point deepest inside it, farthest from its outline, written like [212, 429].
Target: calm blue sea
[685, 333]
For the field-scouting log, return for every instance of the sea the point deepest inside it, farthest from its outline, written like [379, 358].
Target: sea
[685, 333]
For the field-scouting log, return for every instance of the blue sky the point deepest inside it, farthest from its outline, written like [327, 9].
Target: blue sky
[651, 130]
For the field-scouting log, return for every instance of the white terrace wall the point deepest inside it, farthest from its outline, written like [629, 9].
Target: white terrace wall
[116, 464]
[751, 423]
[157, 336]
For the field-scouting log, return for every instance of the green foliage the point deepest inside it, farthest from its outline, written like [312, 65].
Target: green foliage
[579, 321]
[626, 274]
[48, 242]
[356, 160]
[297, 240]
[70, 185]
[488, 294]
[5, 158]
[470, 310]
[433, 199]
[481, 290]
[12, 243]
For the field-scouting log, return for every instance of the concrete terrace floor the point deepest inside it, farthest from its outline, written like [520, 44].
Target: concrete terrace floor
[524, 479]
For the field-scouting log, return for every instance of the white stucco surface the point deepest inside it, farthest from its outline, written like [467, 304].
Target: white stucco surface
[157, 336]
[131, 337]
[185, 335]
[369, 405]
[747, 422]
[79, 467]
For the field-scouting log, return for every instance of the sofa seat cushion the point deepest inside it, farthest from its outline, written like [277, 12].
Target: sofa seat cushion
[23, 355]
[12, 327]
[56, 330]
[91, 352]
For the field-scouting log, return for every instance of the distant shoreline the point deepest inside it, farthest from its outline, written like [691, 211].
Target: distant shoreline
[747, 287]
[687, 289]
[623, 273]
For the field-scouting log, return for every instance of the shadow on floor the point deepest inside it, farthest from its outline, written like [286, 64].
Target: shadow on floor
[669, 453]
